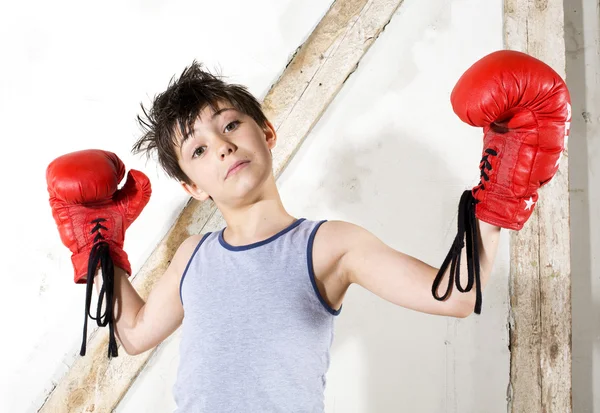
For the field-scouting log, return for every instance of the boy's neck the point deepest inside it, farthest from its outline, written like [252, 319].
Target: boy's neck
[256, 222]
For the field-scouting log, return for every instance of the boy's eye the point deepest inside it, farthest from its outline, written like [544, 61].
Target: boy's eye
[198, 151]
[232, 125]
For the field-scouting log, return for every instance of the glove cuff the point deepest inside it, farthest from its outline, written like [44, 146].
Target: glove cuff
[80, 262]
[505, 212]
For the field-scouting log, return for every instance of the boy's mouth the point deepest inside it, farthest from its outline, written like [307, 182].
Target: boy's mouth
[236, 167]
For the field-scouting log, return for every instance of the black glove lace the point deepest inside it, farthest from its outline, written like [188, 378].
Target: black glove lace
[100, 254]
[483, 166]
[467, 229]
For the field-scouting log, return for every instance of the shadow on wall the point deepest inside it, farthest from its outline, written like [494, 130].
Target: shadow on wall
[395, 187]
[585, 311]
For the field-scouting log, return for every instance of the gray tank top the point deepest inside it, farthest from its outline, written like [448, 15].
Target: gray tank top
[256, 333]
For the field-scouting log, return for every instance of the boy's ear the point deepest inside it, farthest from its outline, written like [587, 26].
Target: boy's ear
[270, 135]
[194, 191]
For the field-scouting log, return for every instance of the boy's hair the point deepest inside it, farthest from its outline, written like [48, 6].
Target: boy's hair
[178, 107]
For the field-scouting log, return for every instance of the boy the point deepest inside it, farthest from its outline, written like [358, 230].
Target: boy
[257, 299]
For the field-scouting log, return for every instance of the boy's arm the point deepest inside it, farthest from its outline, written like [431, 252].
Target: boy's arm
[365, 260]
[140, 325]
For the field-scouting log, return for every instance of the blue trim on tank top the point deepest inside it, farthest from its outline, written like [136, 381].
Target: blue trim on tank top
[230, 247]
[311, 270]
[188, 264]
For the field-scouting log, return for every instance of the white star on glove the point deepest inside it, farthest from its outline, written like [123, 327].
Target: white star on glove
[530, 202]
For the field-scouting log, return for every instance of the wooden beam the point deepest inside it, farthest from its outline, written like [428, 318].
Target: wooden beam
[540, 279]
[294, 104]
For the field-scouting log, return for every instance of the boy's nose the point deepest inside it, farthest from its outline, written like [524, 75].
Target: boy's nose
[226, 148]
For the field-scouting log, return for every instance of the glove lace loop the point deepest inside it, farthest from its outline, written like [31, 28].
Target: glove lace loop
[97, 229]
[100, 255]
[467, 229]
[484, 167]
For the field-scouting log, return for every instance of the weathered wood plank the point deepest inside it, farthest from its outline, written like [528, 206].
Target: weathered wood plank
[294, 104]
[540, 325]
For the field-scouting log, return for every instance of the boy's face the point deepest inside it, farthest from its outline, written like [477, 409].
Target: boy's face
[228, 156]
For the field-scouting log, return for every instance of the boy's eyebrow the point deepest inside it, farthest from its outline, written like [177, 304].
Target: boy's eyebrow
[214, 115]
[218, 112]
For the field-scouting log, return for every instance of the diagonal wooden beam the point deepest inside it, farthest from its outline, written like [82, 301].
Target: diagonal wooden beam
[540, 279]
[294, 104]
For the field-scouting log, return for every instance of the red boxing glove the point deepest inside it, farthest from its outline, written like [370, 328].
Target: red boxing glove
[92, 215]
[88, 207]
[524, 108]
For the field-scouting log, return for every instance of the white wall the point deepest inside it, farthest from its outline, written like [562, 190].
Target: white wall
[388, 154]
[582, 40]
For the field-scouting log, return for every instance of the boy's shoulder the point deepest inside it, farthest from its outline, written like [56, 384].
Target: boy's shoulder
[334, 237]
[185, 250]
[337, 228]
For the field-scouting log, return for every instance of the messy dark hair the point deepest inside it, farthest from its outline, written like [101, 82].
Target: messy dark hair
[178, 107]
